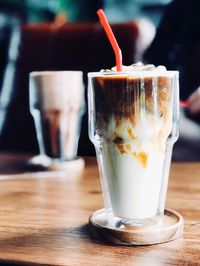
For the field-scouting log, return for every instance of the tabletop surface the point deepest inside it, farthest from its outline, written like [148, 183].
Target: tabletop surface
[44, 219]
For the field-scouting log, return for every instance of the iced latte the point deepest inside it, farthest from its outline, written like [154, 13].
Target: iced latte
[133, 125]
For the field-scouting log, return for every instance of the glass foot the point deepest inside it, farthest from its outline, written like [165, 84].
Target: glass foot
[170, 229]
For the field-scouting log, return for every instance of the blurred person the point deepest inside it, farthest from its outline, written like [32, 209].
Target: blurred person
[177, 41]
[146, 34]
[177, 46]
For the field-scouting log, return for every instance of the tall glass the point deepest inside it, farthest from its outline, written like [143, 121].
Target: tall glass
[133, 123]
[57, 105]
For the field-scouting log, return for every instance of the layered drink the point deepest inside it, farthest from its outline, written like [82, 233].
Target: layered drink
[57, 101]
[133, 125]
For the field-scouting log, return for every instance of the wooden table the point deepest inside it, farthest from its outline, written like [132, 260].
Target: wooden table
[44, 217]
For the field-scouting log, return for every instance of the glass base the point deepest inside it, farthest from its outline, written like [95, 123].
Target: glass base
[43, 162]
[171, 228]
[39, 161]
[133, 224]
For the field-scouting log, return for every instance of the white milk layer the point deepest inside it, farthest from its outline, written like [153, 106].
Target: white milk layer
[134, 167]
[134, 186]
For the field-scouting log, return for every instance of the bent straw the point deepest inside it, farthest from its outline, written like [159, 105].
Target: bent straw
[111, 37]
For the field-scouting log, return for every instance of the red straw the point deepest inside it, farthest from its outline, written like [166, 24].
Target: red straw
[111, 37]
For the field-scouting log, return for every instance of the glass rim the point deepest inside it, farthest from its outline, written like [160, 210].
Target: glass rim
[136, 73]
[54, 72]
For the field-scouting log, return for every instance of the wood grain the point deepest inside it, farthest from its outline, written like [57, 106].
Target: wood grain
[44, 219]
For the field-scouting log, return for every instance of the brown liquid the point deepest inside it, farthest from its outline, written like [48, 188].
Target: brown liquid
[121, 98]
[59, 138]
